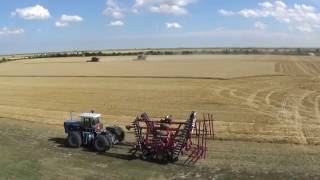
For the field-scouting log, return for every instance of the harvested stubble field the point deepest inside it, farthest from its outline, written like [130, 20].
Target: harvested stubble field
[253, 98]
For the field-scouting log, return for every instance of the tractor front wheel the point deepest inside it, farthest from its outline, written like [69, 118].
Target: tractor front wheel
[74, 139]
[102, 143]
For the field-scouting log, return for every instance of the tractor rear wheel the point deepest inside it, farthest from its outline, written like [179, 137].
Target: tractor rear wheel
[74, 139]
[102, 143]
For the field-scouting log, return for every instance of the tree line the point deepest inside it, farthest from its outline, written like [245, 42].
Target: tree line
[247, 51]
[213, 51]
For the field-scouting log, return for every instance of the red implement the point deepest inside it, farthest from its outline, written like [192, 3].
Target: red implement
[166, 140]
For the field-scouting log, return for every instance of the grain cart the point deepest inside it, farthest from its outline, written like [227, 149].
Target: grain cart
[165, 140]
[89, 132]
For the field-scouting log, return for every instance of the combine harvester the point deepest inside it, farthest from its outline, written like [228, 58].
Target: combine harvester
[162, 141]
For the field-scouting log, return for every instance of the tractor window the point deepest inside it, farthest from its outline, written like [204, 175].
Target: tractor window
[83, 121]
[89, 122]
[86, 122]
[95, 121]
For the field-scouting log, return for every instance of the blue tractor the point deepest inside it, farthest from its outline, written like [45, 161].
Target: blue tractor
[89, 132]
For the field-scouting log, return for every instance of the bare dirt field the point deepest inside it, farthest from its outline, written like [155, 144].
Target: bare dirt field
[269, 99]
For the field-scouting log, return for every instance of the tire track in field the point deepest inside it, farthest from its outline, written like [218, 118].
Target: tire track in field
[289, 115]
[313, 67]
[299, 119]
[312, 115]
[267, 98]
[262, 103]
[278, 67]
[289, 110]
[251, 99]
[295, 107]
[289, 107]
[304, 68]
[283, 113]
[316, 107]
[297, 66]
[308, 106]
[292, 114]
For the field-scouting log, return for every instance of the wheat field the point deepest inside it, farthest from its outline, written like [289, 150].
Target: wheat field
[261, 98]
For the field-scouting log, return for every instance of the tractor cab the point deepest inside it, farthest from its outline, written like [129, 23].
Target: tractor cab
[90, 120]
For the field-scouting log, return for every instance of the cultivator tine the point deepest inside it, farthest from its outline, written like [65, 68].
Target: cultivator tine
[203, 134]
[212, 127]
[137, 133]
[209, 129]
[197, 153]
[204, 138]
[182, 139]
[203, 131]
[193, 157]
[186, 132]
[198, 136]
[196, 128]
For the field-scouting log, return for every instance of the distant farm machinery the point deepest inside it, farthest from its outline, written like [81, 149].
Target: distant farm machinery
[141, 57]
[162, 141]
[94, 59]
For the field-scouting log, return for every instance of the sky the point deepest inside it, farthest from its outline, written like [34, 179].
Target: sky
[31, 26]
